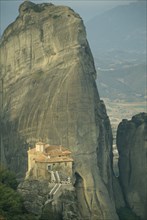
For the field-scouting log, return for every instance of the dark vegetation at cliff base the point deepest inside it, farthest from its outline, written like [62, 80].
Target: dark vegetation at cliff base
[11, 202]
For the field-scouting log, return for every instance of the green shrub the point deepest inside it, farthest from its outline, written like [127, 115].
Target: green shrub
[56, 16]
[8, 178]
[11, 202]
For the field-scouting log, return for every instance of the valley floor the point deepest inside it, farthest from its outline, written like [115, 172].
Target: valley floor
[118, 110]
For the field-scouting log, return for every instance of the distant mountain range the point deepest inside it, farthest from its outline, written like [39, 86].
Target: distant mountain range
[118, 42]
[121, 28]
[127, 83]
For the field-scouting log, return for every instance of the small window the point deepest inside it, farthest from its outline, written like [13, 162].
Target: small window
[49, 167]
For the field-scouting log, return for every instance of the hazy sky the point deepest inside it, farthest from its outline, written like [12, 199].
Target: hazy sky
[87, 9]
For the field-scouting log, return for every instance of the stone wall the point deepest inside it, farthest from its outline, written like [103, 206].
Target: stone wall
[40, 170]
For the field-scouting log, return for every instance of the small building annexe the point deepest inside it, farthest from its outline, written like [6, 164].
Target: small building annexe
[44, 160]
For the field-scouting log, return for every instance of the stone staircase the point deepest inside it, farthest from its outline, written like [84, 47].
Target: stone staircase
[56, 190]
[55, 178]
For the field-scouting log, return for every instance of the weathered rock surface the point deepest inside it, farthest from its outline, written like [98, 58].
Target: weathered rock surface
[132, 147]
[35, 194]
[51, 94]
[118, 195]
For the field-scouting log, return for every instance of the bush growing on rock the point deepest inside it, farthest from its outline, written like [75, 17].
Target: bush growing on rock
[11, 202]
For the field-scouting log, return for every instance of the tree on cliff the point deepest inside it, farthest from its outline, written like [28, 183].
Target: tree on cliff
[11, 203]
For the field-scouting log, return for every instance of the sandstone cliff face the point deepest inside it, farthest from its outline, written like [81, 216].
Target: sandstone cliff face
[132, 146]
[50, 93]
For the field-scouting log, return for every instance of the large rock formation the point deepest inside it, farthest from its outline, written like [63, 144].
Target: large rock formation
[132, 146]
[35, 195]
[50, 94]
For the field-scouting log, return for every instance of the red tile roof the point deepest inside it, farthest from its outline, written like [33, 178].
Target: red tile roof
[51, 154]
[53, 160]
